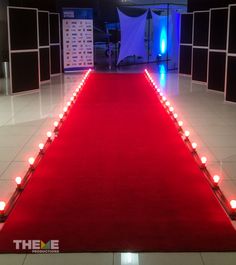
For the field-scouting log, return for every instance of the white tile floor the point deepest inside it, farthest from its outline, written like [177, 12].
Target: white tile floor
[25, 119]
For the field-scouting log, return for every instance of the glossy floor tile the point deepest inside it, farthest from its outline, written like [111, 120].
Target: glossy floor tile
[70, 259]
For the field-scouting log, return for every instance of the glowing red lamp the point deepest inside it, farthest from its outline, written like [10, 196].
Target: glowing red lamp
[55, 124]
[41, 146]
[31, 161]
[49, 135]
[2, 207]
[171, 109]
[18, 181]
[233, 205]
[187, 134]
[167, 103]
[216, 179]
[194, 146]
[60, 116]
[203, 160]
[180, 123]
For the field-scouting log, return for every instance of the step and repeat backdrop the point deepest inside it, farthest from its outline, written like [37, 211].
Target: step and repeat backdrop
[208, 49]
[77, 39]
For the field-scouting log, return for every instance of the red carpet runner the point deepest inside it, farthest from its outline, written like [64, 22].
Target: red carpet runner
[119, 178]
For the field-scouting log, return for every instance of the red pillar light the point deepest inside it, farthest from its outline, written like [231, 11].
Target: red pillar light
[167, 103]
[31, 162]
[233, 205]
[60, 116]
[65, 109]
[171, 109]
[186, 134]
[18, 181]
[180, 123]
[41, 147]
[216, 180]
[194, 146]
[204, 161]
[49, 135]
[55, 124]
[2, 207]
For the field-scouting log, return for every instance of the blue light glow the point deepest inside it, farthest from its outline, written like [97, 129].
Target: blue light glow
[163, 40]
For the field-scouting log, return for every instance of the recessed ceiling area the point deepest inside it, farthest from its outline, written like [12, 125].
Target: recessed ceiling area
[154, 2]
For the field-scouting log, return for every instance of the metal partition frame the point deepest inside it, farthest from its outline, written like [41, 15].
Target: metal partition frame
[45, 47]
[11, 51]
[184, 44]
[215, 50]
[228, 54]
[199, 47]
[58, 44]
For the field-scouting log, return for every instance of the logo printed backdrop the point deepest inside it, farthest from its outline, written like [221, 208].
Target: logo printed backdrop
[78, 39]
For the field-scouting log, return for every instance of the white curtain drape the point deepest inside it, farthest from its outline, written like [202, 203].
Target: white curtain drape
[132, 36]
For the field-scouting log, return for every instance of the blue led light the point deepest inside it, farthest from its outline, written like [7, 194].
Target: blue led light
[163, 40]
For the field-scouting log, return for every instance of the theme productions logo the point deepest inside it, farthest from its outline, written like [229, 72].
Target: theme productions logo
[37, 246]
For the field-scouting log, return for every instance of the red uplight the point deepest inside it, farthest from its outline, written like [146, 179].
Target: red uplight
[171, 109]
[55, 123]
[31, 161]
[203, 160]
[187, 134]
[49, 134]
[216, 179]
[18, 180]
[2, 206]
[233, 204]
[180, 123]
[194, 146]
